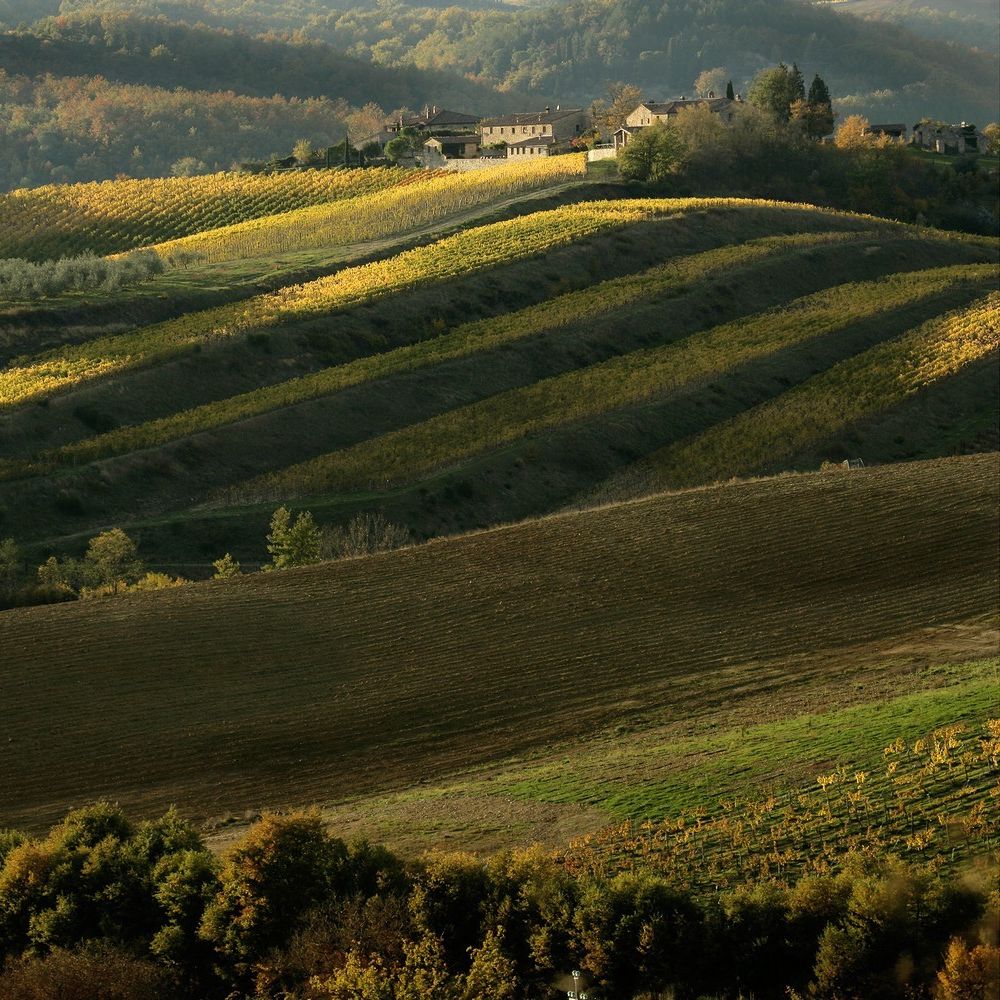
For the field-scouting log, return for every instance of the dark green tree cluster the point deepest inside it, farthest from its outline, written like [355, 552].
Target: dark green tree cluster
[571, 50]
[780, 92]
[66, 129]
[775, 90]
[653, 154]
[130, 910]
[761, 155]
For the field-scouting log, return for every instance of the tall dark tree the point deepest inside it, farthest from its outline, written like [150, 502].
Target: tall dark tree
[819, 93]
[798, 83]
[730, 93]
[815, 115]
[774, 91]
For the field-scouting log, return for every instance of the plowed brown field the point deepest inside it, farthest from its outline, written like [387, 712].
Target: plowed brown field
[371, 674]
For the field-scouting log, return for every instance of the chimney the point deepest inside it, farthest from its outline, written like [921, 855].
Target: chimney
[547, 109]
[427, 111]
[434, 110]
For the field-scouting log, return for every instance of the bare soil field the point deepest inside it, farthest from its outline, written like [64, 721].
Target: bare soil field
[372, 675]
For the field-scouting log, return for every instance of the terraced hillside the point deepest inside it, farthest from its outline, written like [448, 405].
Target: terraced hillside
[503, 371]
[370, 674]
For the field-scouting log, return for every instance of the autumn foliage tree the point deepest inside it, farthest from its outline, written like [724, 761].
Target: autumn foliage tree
[285, 866]
[113, 559]
[609, 115]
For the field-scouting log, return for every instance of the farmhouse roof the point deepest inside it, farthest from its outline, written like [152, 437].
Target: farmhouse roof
[440, 117]
[534, 140]
[464, 139]
[963, 128]
[672, 107]
[546, 117]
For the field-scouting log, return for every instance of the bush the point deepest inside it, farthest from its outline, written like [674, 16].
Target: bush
[364, 534]
[98, 973]
[22, 279]
[653, 154]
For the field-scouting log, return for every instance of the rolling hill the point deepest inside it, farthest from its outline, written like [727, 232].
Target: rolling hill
[549, 344]
[373, 674]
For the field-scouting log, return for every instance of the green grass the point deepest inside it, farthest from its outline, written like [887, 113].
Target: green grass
[651, 780]
[748, 761]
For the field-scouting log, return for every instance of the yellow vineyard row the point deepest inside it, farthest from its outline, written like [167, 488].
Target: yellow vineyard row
[466, 252]
[481, 335]
[61, 220]
[851, 390]
[374, 216]
[406, 454]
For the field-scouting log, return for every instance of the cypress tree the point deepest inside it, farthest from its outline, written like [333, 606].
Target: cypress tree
[818, 92]
[730, 93]
[798, 84]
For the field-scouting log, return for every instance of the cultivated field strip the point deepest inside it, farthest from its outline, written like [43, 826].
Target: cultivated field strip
[456, 435]
[374, 216]
[679, 274]
[357, 676]
[770, 435]
[464, 253]
[108, 217]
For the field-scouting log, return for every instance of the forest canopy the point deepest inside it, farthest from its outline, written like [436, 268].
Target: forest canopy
[574, 49]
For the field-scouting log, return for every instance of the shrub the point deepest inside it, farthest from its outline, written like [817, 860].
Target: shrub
[284, 867]
[101, 972]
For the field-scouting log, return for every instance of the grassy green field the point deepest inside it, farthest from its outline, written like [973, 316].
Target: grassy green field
[557, 674]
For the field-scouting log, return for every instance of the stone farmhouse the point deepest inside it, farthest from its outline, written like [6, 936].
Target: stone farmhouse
[895, 130]
[434, 120]
[955, 140]
[533, 133]
[452, 147]
[650, 112]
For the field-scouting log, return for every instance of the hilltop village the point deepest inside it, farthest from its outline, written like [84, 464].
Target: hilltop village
[441, 138]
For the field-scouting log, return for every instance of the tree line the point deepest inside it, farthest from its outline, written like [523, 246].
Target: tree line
[569, 50]
[106, 906]
[772, 150]
[112, 565]
[90, 96]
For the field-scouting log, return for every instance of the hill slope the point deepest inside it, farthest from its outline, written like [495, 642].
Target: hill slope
[480, 378]
[370, 674]
[573, 49]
